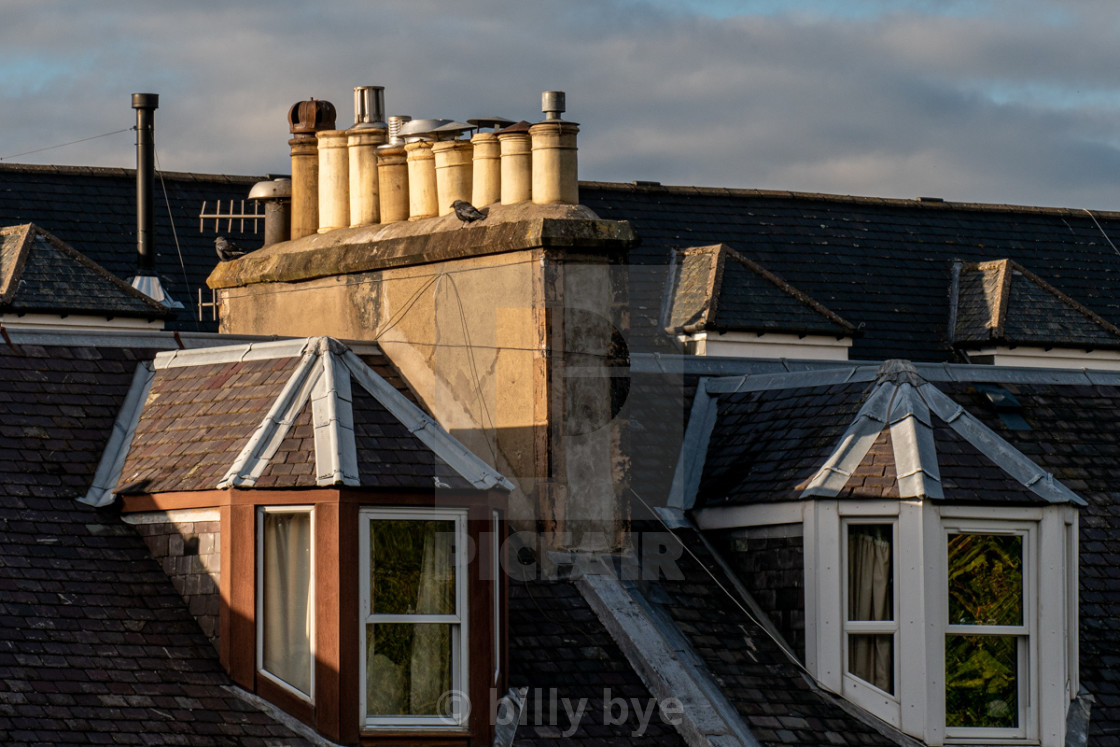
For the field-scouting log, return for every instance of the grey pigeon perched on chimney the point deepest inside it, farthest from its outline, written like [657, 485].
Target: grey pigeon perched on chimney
[227, 250]
[466, 212]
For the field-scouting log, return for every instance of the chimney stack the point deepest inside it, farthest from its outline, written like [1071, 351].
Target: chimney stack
[305, 120]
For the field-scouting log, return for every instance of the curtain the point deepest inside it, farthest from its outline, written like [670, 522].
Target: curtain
[870, 598]
[431, 643]
[286, 628]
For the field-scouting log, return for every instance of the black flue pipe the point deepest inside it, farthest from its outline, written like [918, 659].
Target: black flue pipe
[145, 105]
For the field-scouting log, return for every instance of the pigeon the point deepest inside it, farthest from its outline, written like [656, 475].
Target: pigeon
[227, 250]
[466, 212]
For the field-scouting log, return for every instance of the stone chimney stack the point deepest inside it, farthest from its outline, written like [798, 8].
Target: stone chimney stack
[305, 120]
[555, 170]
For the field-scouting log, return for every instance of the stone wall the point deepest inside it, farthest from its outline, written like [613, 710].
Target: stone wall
[187, 546]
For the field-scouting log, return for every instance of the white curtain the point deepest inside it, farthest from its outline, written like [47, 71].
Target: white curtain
[870, 656]
[287, 598]
[431, 642]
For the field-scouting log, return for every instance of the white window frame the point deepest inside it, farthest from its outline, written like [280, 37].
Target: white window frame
[858, 690]
[460, 633]
[260, 612]
[1027, 647]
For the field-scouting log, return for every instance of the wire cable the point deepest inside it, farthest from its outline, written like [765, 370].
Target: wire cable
[1101, 229]
[63, 145]
[174, 233]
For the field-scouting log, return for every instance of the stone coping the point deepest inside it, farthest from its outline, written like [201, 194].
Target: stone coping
[506, 228]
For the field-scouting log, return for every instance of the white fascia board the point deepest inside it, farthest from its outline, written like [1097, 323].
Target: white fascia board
[109, 468]
[694, 449]
[857, 440]
[915, 453]
[262, 445]
[253, 351]
[332, 412]
[1000, 452]
[472, 469]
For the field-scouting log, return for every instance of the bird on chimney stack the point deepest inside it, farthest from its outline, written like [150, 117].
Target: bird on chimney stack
[227, 250]
[466, 212]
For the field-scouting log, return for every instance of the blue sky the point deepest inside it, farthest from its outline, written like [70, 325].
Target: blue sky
[1009, 101]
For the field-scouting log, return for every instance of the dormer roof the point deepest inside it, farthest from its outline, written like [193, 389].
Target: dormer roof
[844, 435]
[41, 274]
[714, 288]
[1002, 302]
[288, 414]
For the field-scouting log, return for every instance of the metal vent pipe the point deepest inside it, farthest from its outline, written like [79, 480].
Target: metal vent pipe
[145, 105]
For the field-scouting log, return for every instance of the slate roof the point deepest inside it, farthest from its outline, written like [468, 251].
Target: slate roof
[41, 274]
[1068, 428]
[714, 288]
[286, 414]
[1001, 302]
[94, 210]
[883, 265]
[751, 667]
[901, 437]
[96, 646]
[559, 649]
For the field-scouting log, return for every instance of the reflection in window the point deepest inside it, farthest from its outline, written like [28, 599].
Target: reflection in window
[413, 619]
[870, 620]
[985, 647]
[285, 609]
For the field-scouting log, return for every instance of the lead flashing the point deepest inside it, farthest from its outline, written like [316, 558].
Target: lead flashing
[109, 468]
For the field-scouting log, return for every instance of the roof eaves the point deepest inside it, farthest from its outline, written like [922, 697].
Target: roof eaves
[113, 457]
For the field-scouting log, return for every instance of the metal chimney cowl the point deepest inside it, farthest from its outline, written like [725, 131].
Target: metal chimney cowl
[305, 118]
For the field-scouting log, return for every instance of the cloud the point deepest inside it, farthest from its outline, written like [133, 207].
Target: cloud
[1002, 101]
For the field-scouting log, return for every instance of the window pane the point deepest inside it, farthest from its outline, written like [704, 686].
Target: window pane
[871, 658]
[870, 572]
[408, 668]
[286, 603]
[982, 681]
[412, 568]
[985, 579]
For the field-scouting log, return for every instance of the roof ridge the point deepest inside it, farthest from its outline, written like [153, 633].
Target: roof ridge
[921, 203]
[32, 168]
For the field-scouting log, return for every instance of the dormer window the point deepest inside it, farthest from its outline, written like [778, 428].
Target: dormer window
[935, 554]
[871, 624]
[358, 539]
[988, 683]
[413, 632]
[286, 598]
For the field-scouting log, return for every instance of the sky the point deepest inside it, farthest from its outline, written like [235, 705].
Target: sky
[997, 101]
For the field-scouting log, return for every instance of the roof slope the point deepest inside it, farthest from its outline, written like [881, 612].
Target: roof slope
[883, 265]
[95, 210]
[714, 288]
[906, 440]
[1002, 302]
[41, 274]
[286, 414]
[94, 640]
